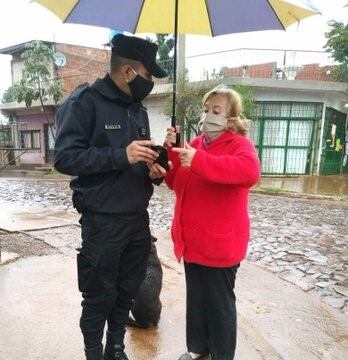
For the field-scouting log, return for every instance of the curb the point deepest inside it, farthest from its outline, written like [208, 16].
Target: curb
[290, 194]
[256, 340]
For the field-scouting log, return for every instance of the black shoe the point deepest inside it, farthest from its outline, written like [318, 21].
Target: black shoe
[187, 356]
[114, 348]
[95, 353]
[116, 354]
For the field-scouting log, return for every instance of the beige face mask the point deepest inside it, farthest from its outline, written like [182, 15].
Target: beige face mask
[213, 125]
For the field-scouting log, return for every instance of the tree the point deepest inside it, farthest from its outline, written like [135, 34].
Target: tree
[36, 83]
[248, 98]
[337, 44]
[165, 44]
[9, 95]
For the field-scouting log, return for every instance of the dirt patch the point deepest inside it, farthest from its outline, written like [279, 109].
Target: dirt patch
[24, 245]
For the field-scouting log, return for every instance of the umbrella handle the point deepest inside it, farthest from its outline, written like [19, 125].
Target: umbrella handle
[178, 140]
[173, 122]
[177, 136]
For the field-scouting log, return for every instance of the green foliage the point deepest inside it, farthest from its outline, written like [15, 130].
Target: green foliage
[24, 92]
[9, 95]
[165, 44]
[337, 44]
[188, 102]
[55, 91]
[248, 98]
[36, 83]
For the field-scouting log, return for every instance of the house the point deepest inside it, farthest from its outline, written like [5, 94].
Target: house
[73, 65]
[300, 121]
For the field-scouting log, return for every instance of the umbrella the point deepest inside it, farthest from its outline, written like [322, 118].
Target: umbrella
[204, 17]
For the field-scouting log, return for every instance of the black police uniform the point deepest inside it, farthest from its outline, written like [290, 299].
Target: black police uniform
[95, 125]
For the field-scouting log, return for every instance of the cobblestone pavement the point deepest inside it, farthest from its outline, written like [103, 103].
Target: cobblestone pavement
[304, 242]
[52, 195]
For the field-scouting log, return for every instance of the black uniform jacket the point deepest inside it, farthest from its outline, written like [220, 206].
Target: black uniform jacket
[94, 126]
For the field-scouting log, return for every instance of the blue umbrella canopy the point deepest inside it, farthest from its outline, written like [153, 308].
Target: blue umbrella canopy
[204, 17]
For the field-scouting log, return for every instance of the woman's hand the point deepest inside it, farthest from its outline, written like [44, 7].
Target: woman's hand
[171, 137]
[185, 154]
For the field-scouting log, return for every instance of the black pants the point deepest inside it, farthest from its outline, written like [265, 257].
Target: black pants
[111, 266]
[211, 319]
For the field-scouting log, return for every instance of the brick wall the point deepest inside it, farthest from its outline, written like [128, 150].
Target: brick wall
[83, 64]
[264, 71]
[315, 72]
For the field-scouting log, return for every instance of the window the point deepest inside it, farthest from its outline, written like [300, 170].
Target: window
[30, 139]
[285, 136]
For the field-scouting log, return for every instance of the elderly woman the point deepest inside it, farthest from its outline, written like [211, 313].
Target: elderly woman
[211, 178]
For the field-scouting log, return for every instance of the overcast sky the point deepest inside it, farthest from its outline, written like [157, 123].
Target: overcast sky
[22, 21]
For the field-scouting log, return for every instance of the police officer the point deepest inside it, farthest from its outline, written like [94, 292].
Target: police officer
[103, 141]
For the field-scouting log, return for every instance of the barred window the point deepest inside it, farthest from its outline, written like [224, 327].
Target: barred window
[30, 139]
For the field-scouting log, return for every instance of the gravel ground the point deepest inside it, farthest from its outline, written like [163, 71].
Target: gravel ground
[304, 242]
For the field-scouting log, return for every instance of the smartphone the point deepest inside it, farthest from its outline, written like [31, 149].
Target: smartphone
[162, 156]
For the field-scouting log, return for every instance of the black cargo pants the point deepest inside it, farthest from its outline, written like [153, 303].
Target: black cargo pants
[111, 266]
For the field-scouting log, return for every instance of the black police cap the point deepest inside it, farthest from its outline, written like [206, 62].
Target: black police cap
[132, 47]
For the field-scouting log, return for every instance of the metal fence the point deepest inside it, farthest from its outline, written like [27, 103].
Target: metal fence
[285, 134]
[13, 143]
[259, 64]
[242, 63]
[238, 63]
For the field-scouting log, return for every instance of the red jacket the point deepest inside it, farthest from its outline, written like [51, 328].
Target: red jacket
[211, 222]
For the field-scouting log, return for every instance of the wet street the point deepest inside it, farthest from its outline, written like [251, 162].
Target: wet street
[293, 241]
[304, 242]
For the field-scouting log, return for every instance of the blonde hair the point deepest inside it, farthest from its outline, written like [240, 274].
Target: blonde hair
[236, 121]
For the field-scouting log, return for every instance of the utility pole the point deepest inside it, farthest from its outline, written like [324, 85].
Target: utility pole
[181, 56]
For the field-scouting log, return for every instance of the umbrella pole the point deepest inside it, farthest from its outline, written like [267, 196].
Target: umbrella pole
[173, 123]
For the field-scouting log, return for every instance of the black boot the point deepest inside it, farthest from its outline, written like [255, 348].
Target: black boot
[114, 348]
[95, 353]
[117, 353]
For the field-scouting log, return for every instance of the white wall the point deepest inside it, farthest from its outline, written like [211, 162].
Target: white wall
[302, 96]
[17, 70]
[158, 121]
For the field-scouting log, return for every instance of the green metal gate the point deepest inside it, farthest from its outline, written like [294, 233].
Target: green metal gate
[333, 145]
[284, 134]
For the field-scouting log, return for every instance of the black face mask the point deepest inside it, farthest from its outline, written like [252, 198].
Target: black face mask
[140, 87]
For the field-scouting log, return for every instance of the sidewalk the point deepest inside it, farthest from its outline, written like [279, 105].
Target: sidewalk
[40, 308]
[290, 324]
[329, 186]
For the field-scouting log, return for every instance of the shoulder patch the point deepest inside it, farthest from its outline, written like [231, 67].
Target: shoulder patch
[76, 94]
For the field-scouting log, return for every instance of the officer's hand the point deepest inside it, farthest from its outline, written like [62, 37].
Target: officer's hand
[139, 150]
[157, 171]
[171, 137]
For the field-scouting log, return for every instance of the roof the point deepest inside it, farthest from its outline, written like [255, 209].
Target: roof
[13, 106]
[10, 50]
